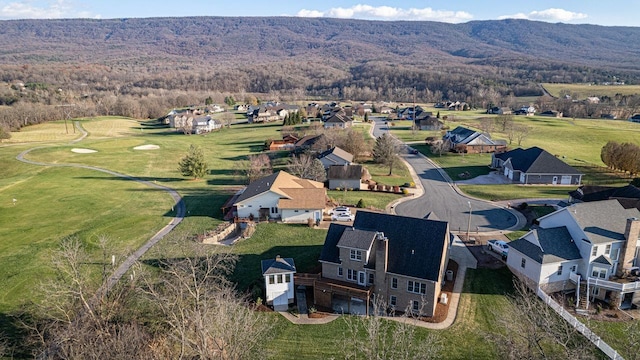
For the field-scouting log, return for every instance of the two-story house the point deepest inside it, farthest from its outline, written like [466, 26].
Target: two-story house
[590, 247]
[399, 260]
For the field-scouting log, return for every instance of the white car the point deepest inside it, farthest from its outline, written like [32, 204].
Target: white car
[340, 210]
[342, 217]
[499, 246]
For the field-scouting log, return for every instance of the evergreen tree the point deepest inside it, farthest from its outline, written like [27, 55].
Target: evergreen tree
[193, 164]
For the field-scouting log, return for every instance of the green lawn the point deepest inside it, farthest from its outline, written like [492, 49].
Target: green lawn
[508, 192]
[373, 199]
[483, 295]
[585, 90]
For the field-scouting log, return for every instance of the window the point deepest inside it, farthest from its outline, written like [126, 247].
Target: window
[599, 272]
[279, 278]
[559, 270]
[415, 305]
[272, 279]
[523, 262]
[371, 278]
[573, 268]
[393, 300]
[595, 291]
[352, 275]
[274, 210]
[287, 278]
[340, 271]
[615, 254]
[607, 249]
[594, 251]
[416, 287]
[394, 283]
[356, 255]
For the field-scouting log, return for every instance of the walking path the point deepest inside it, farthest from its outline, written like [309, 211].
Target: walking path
[177, 219]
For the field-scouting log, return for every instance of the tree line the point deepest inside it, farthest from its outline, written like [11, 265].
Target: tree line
[622, 157]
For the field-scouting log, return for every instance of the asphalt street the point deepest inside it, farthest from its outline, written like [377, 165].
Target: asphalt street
[441, 198]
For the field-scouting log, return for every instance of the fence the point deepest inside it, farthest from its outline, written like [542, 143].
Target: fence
[582, 328]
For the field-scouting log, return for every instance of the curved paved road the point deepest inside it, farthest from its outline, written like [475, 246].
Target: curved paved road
[441, 197]
[179, 206]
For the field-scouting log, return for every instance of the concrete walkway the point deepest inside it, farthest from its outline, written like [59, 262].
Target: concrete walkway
[129, 261]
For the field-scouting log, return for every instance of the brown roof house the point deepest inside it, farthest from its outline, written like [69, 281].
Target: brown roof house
[402, 260]
[344, 176]
[282, 196]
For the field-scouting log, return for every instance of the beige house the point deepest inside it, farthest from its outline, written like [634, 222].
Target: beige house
[396, 259]
[282, 196]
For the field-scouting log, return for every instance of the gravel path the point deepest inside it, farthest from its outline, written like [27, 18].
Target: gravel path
[178, 205]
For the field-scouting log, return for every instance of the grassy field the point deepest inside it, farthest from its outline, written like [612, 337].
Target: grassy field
[56, 202]
[582, 91]
[577, 142]
[375, 200]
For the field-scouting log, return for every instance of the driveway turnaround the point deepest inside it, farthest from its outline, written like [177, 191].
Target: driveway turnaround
[443, 198]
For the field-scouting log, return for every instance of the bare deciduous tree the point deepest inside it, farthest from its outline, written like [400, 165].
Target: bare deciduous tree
[206, 317]
[257, 166]
[440, 147]
[530, 329]
[504, 121]
[379, 337]
[307, 167]
[228, 118]
[386, 151]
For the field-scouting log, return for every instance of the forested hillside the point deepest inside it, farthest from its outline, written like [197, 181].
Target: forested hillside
[479, 62]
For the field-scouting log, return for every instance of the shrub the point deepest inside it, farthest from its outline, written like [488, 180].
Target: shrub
[310, 222]
[523, 206]
[360, 204]
[412, 184]
[405, 191]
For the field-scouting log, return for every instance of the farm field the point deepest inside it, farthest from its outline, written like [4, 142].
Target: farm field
[582, 91]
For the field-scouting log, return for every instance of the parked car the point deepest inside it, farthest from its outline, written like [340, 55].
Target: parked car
[342, 217]
[499, 247]
[340, 210]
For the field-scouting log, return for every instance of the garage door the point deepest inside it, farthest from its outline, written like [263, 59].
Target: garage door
[565, 180]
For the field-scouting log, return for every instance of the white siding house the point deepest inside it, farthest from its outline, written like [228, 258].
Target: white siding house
[278, 280]
[590, 246]
[282, 196]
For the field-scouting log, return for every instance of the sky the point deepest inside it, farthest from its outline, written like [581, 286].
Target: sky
[609, 13]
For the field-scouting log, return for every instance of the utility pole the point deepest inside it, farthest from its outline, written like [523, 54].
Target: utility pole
[469, 223]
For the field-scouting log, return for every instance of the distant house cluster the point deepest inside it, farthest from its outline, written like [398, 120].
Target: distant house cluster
[270, 111]
[194, 120]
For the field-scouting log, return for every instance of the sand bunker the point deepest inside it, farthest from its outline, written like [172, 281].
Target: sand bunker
[147, 147]
[83, 151]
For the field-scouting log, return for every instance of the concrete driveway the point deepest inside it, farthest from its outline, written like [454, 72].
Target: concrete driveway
[442, 197]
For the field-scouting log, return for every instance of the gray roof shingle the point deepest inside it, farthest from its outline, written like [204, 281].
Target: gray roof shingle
[416, 246]
[602, 221]
[535, 160]
[556, 245]
[278, 266]
[357, 239]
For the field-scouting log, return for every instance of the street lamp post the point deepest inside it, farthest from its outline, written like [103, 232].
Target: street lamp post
[469, 223]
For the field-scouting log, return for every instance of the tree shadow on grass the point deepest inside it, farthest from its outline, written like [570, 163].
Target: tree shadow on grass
[14, 333]
[488, 281]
